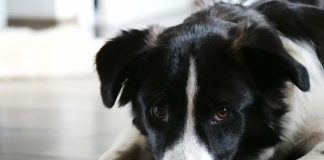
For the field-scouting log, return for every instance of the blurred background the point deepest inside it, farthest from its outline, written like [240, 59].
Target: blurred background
[50, 107]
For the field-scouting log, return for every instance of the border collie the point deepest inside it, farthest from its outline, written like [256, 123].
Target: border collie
[232, 82]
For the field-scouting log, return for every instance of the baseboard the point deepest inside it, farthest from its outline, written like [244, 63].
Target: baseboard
[38, 23]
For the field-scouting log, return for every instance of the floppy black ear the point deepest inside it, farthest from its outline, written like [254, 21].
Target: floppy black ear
[302, 22]
[116, 63]
[262, 51]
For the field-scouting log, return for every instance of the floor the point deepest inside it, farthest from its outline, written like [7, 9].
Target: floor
[55, 120]
[61, 119]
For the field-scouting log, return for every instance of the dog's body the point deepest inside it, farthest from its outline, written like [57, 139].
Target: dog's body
[229, 83]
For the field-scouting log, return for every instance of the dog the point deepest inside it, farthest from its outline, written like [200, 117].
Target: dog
[232, 82]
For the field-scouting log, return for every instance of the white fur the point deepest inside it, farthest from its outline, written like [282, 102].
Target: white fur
[189, 147]
[306, 116]
[231, 1]
[267, 153]
[129, 137]
[208, 3]
[249, 2]
[154, 32]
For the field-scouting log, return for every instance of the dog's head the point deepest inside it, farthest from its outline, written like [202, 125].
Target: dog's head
[205, 89]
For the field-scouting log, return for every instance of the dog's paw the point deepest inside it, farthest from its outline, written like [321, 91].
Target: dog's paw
[130, 145]
[136, 152]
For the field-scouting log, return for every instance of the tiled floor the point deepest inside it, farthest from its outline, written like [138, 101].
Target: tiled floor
[55, 120]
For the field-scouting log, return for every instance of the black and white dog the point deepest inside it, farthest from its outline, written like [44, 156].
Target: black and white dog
[231, 82]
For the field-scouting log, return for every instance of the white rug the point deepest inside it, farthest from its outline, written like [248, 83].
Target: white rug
[57, 52]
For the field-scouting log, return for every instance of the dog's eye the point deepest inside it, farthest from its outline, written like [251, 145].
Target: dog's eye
[222, 114]
[160, 112]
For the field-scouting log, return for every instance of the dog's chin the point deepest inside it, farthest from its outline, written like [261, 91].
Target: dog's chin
[194, 156]
[189, 148]
[193, 152]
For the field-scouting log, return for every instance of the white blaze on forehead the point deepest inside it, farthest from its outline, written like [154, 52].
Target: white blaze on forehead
[188, 147]
[154, 32]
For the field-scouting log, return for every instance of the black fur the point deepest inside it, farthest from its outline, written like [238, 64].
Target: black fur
[297, 21]
[116, 62]
[317, 3]
[241, 63]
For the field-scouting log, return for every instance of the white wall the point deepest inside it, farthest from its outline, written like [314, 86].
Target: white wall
[3, 14]
[36, 9]
[60, 10]
[49, 9]
[64, 9]
[117, 14]
[125, 11]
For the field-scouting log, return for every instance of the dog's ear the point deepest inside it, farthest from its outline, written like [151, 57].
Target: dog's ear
[262, 51]
[116, 63]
